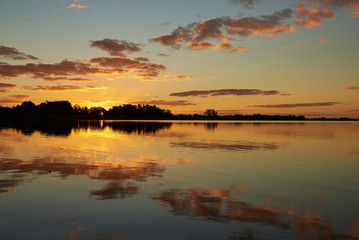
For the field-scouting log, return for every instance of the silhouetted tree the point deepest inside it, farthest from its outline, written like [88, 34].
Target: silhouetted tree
[210, 113]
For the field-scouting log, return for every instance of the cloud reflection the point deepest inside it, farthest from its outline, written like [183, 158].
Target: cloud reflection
[219, 206]
[122, 180]
[226, 145]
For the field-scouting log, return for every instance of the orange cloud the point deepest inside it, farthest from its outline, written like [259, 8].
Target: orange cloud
[5, 87]
[324, 40]
[78, 6]
[200, 45]
[309, 18]
[241, 49]
[196, 36]
[352, 88]
[14, 99]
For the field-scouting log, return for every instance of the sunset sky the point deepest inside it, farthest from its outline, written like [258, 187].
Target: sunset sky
[236, 56]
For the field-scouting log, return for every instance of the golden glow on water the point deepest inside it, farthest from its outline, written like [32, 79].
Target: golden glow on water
[289, 180]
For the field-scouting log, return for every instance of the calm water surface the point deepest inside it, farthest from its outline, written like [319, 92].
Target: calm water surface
[179, 180]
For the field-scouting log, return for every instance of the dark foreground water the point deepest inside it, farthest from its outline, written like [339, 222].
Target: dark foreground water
[179, 180]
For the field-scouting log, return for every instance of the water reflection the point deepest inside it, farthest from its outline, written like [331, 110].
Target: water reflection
[121, 179]
[296, 180]
[64, 127]
[227, 145]
[221, 206]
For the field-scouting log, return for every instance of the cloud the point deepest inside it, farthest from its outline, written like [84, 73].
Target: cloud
[19, 97]
[7, 101]
[141, 67]
[352, 88]
[63, 88]
[13, 99]
[241, 49]
[320, 9]
[295, 105]
[63, 68]
[116, 47]
[78, 6]
[165, 103]
[197, 35]
[323, 40]
[5, 87]
[146, 70]
[163, 55]
[55, 79]
[309, 18]
[14, 54]
[245, 3]
[226, 92]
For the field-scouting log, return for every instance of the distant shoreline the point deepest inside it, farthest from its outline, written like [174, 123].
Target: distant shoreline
[65, 110]
[220, 119]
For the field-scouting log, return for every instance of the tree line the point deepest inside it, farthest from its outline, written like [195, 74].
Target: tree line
[65, 108]
[127, 111]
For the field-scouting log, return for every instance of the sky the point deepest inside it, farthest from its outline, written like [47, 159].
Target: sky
[235, 56]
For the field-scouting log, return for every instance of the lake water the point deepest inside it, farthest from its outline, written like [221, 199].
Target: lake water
[179, 180]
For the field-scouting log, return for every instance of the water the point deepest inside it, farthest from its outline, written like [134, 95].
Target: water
[179, 180]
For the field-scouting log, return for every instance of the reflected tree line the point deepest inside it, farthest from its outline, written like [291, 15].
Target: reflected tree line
[126, 111]
[64, 127]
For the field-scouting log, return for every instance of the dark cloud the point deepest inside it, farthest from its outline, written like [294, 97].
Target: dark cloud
[294, 105]
[5, 87]
[63, 68]
[226, 92]
[142, 68]
[14, 54]
[103, 65]
[55, 79]
[19, 96]
[165, 103]
[116, 47]
[352, 88]
[163, 55]
[245, 3]
[198, 34]
[62, 88]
